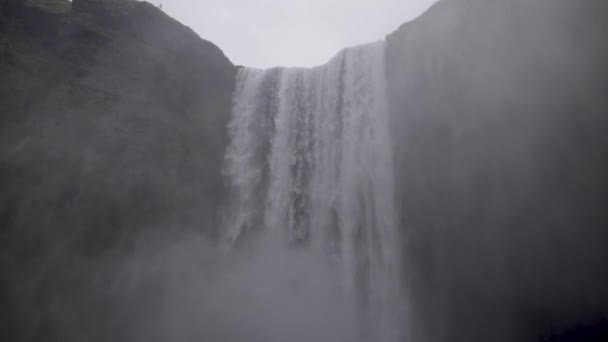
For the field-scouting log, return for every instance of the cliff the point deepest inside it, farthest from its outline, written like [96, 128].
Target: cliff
[112, 122]
[499, 112]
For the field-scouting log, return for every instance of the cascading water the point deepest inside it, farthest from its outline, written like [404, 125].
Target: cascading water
[310, 167]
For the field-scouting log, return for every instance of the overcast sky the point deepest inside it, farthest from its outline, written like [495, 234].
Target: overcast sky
[265, 33]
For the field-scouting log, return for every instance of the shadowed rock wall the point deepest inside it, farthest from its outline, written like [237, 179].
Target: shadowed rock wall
[111, 124]
[500, 118]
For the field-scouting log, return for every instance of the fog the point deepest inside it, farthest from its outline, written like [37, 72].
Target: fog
[188, 289]
[115, 195]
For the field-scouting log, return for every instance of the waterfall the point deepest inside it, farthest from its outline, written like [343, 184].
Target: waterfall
[310, 167]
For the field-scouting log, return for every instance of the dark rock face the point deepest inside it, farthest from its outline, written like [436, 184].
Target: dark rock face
[109, 126]
[87, 5]
[500, 119]
[100, 7]
[112, 120]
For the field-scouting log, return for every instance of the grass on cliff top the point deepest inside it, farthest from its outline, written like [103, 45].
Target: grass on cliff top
[51, 6]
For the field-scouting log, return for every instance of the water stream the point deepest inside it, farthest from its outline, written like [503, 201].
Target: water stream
[311, 174]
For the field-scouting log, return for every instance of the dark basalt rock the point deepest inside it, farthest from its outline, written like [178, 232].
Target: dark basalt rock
[499, 112]
[111, 126]
[91, 6]
[112, 123]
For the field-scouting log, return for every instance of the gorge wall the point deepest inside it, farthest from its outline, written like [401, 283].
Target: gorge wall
[113, 131]
[499, 112]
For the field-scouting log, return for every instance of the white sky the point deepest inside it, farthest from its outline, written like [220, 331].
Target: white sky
[265, 33]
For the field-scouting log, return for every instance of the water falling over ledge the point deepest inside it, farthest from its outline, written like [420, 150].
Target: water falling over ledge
[311, 172]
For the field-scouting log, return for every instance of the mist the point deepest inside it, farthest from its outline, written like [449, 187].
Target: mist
[421, 171]
[500, 141]
[193, 292]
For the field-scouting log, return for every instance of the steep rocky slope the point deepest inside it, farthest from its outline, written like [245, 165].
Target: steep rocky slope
[500, 114]
[111, 122]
